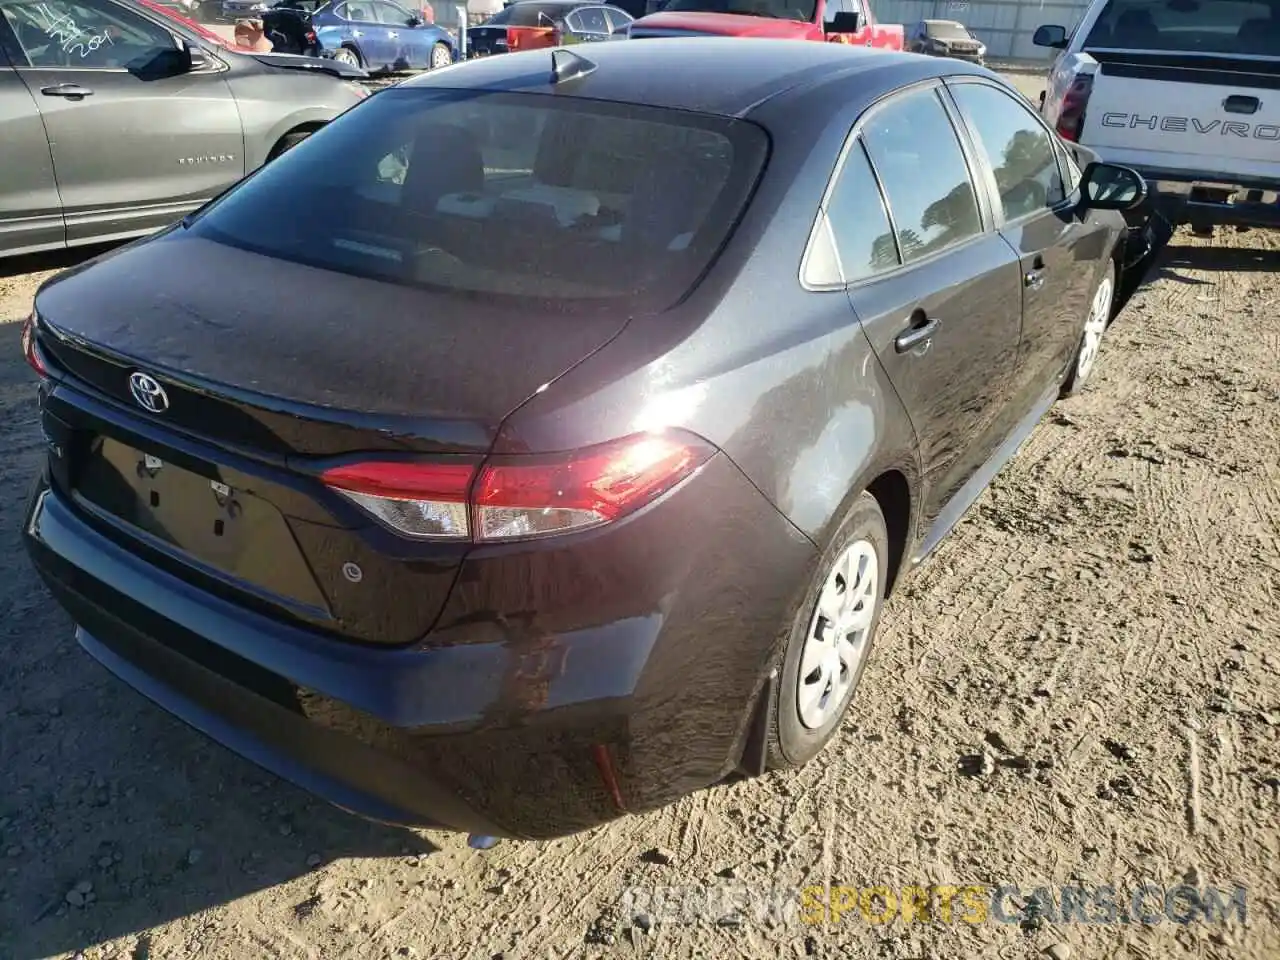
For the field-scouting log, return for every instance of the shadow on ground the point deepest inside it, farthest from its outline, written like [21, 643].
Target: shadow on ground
[1177, 258]
[103, 790]
[52, 260]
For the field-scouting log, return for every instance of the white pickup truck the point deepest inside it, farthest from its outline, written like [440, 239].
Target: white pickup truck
[1187, 92]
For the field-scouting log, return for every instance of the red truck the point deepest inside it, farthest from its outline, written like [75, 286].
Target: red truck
[832, 21]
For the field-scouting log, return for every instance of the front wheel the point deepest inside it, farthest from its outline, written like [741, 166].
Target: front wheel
[831, 637]
[441, 56]
[1095, 325]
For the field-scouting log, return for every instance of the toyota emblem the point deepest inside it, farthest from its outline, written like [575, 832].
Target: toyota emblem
[148, 393]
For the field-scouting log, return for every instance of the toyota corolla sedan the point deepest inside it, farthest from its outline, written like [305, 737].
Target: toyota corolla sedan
[538, 442]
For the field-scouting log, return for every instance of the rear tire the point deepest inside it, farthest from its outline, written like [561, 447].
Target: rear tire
[348, 56]
[1095, 325]
[831, 638]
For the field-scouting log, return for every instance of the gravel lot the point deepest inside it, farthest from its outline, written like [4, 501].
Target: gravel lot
[1082, 685]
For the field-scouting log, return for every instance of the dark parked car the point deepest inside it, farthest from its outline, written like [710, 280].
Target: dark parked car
[117, 119]
[533, 24]
[515, 483]
[946, 38]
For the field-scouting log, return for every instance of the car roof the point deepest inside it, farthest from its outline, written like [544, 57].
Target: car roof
[944, 23]
[728, 76]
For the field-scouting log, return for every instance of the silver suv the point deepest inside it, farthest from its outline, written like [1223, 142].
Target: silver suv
[118, 117]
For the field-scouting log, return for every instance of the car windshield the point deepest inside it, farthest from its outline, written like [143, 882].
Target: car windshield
[947, 31]
[550, 198]
[801, 10]
[1189, 26]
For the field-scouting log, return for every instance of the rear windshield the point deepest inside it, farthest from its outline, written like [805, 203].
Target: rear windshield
[550, 198]
[1189, 26]
[529, 14]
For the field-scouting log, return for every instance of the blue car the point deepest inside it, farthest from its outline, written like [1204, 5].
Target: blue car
[381, 36]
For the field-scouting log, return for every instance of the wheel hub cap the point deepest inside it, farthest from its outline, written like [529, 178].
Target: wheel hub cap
[1094, 327]
[838, 636]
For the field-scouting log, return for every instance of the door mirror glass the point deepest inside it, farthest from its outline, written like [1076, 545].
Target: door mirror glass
[846, 21]
[1109, 186]
[414, 21]
[1050, 35]
[196, 57]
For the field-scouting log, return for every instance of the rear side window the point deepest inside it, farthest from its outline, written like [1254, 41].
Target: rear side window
[859, 223]
[551, 198]
[914, 149]
[1188, 26]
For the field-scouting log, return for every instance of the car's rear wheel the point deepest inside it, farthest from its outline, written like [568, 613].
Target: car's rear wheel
[347, 55]
[441, 56]
[831, 638]
[1095, 325]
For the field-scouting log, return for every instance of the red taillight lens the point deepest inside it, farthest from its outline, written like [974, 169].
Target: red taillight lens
[419, 500]
[517, 497]
[310, 36]
[29, 348]
[1071, 117]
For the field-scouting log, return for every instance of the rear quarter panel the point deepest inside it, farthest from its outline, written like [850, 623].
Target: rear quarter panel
[783, 380]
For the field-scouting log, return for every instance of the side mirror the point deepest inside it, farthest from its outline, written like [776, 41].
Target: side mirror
[1050, 35]
[196, 57]
[414, 21]
[1109, 186]
[845, 21]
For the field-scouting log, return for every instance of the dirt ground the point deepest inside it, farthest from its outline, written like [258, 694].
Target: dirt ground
[1082, 686]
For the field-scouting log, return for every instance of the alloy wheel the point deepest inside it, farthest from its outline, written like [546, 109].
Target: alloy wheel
[1094, 327]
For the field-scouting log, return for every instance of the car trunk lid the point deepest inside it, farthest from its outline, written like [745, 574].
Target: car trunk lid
[269, 377]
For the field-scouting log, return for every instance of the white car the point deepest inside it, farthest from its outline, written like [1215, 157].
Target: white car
[1187, 92]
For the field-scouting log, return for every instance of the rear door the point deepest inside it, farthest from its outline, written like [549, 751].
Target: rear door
[361, 27]
[30, 209]
[937, 289]
[136, 141]
[1059, 252]
[1187, 84]
[405, 45]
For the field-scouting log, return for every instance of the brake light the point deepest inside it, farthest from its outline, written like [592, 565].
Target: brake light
[1074, 101]
[310, 36]
[522, 497]
[30, 350]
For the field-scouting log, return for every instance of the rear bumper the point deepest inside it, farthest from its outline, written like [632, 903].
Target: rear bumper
[488, 730]
[1203, 197]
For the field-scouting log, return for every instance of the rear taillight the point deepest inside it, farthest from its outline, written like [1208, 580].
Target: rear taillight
[1074, 101]
[310, 36]
[522, 497]
[30, 349]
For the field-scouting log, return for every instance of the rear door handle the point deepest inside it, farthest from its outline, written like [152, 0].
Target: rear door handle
[920, 331]
[72, 90]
